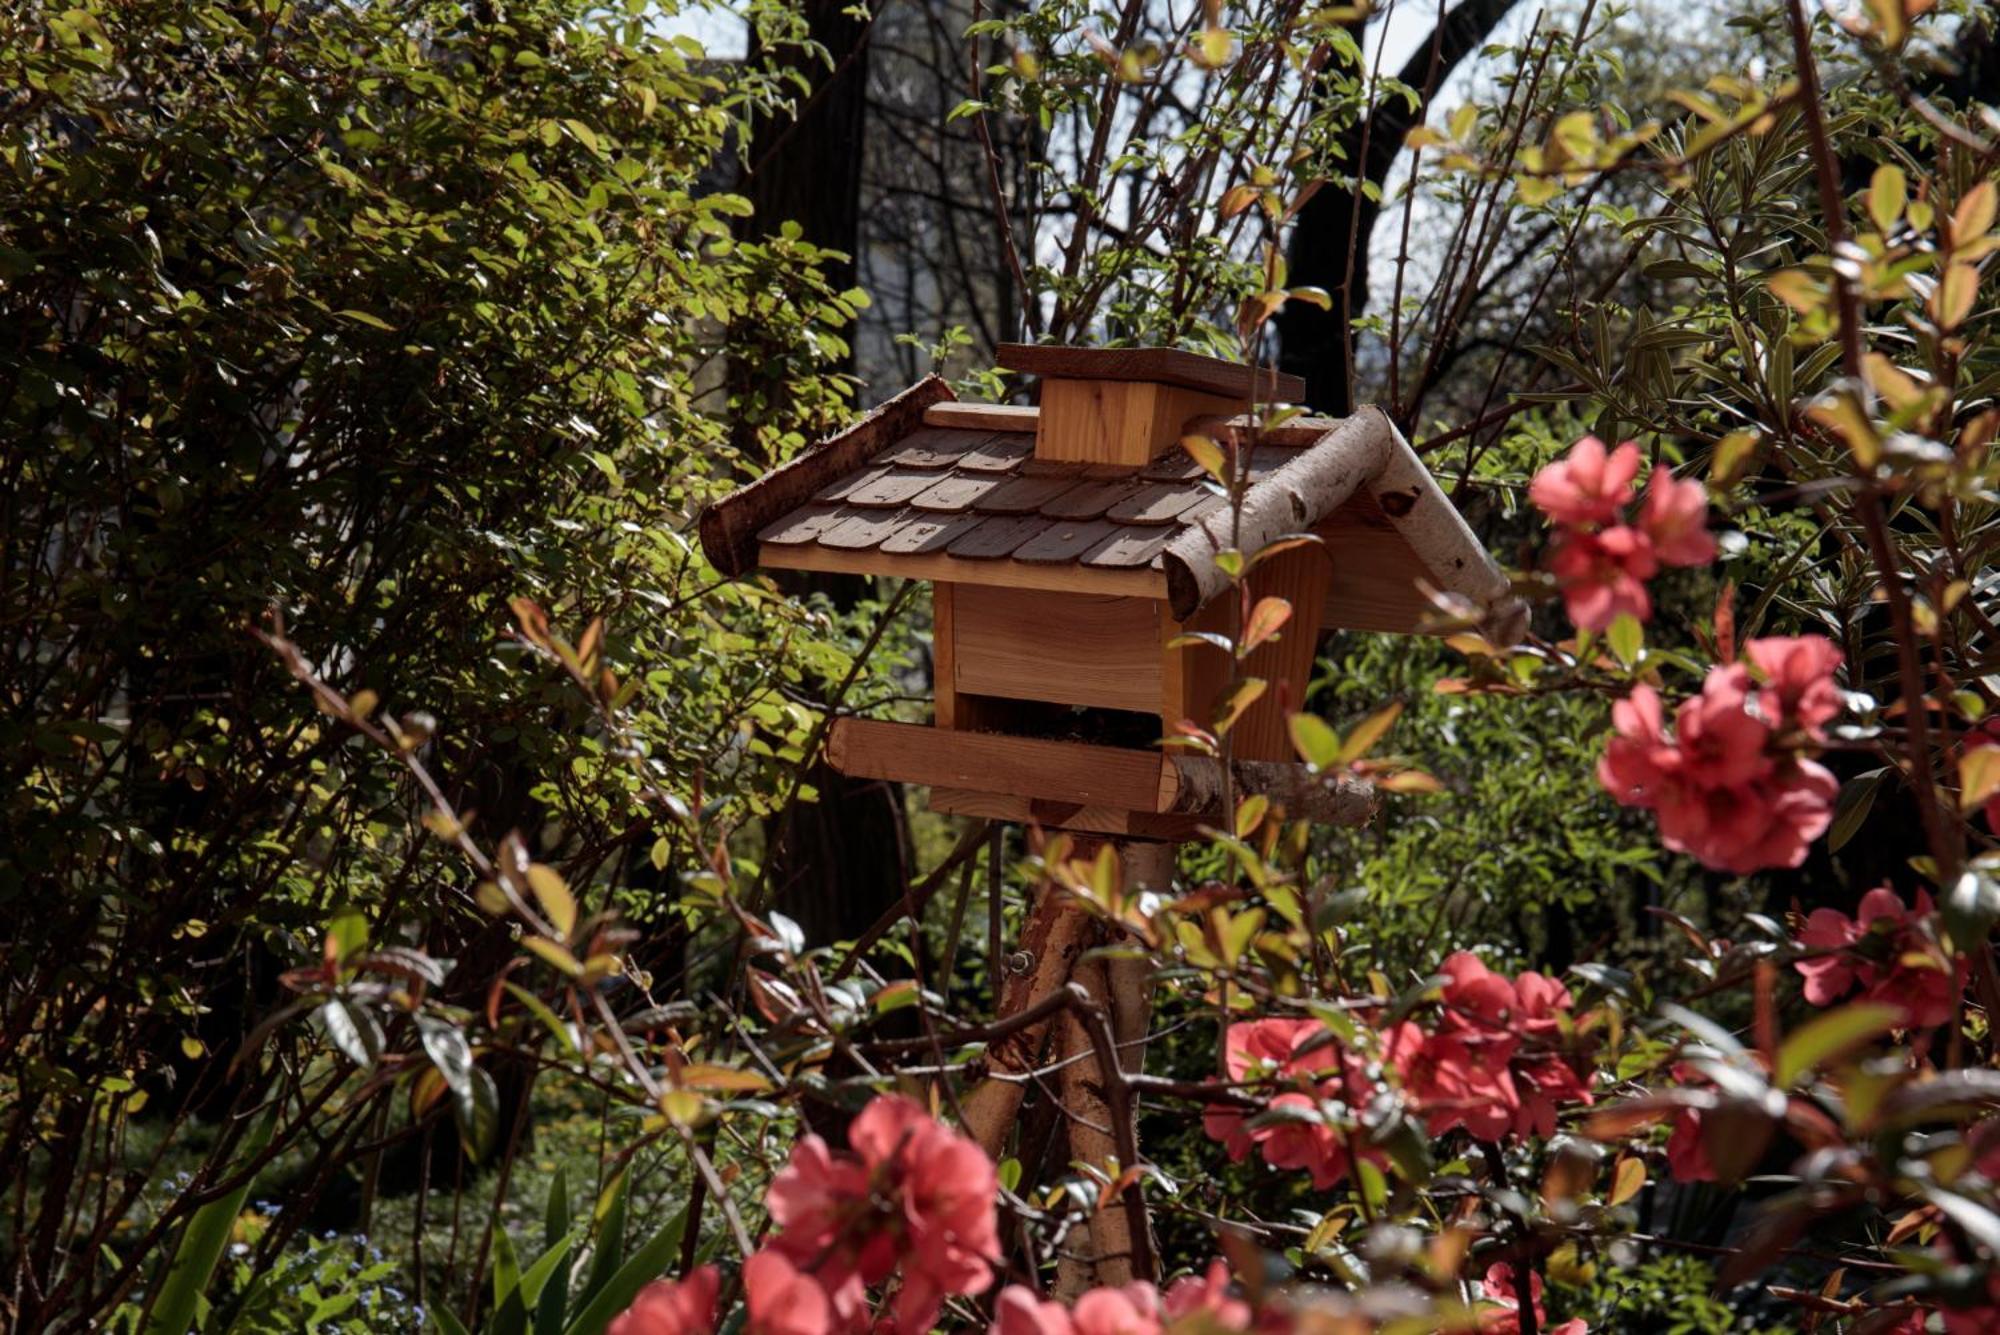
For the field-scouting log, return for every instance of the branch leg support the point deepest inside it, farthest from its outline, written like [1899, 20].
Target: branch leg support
[1100, 1040]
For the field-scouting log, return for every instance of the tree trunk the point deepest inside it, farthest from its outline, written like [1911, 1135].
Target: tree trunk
[837, 863]
[1329, 246]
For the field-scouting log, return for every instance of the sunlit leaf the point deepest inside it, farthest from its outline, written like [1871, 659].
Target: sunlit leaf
[1315, 740]
[1830, 1035]
[1888, 192]
[1627, 1179]
[1265, 620]
[553, 894]
[1370, 731]
[1246, 693]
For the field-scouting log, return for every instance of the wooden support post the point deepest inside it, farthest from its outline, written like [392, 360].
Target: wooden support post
[1123, 989]
[1089, 1256]
[1051, 939]
[1118, 1246]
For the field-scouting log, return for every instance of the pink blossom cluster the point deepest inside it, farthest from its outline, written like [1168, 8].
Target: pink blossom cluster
[1320, 1073]
[1733, 785]
[1202, 1303]
[1602, 557]
[912, 1196]
[1494, 1062]
[1887, 952]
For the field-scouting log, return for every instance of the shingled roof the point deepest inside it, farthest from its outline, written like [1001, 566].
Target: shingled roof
[933, 489]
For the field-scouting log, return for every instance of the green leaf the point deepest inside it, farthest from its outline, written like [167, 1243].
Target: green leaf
[202, 1243]
[1250, 814]
[1208, 455]
[618, 1291]
[353, 1031]
[540, 1010]
[552, 893]
[1246, 693]
[1978, 776]
[1827, 1036]
[372, 321]
[610, 1245]
[475, 1102]
[1315, 740]
[1970, 909]
[346, 936]
[510, 1313]
[1370, 731]
[1888, 193]
[554, 1299]
[1850, 809]
[446, 1321]
[1627, 638]
[525, 1288]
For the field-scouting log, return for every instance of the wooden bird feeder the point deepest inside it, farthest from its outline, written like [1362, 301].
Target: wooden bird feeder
[1069, 547]
[1072, 544]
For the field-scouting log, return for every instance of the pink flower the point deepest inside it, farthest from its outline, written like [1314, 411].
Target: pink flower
[1721, 741]
[1799, 689]
[1453, 1083]
[913, 1193]
[1253, 1049]
[1208, 1295]
[1498, 1286]
[1674, 516]
[1639, 762]
[672, 1307]
[1479, 1000]
[1885, 951]
[1603, 575]
[783, 1300]
[1543, 1001]
[1132, 1310]
[1019, 1312]
[1687, 1156]
[1491, 1065]
[949, 1232]
[1724, 788]
[1751, 827]
[1586, 486]
[814, 1197]
[1269, 1048]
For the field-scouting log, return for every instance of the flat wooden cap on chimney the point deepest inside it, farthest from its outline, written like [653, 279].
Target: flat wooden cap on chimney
[1159, 366]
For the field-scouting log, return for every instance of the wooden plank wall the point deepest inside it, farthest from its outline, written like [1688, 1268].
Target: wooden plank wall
[1301, 576]
[1118, 422]
[1070, 648]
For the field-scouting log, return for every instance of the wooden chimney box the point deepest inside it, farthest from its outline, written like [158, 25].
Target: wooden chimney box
[1071, 545]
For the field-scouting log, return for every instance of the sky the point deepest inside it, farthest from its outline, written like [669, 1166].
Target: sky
[1407, 23]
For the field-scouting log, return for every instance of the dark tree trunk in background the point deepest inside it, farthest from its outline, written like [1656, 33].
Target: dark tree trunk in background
[807, 169]
[834, 864]
[1329, 246]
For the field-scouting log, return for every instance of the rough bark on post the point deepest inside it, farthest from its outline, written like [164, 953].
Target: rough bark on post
[1150, 867]
[1093, 1139]
[1052, 937]
[1122, 990]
